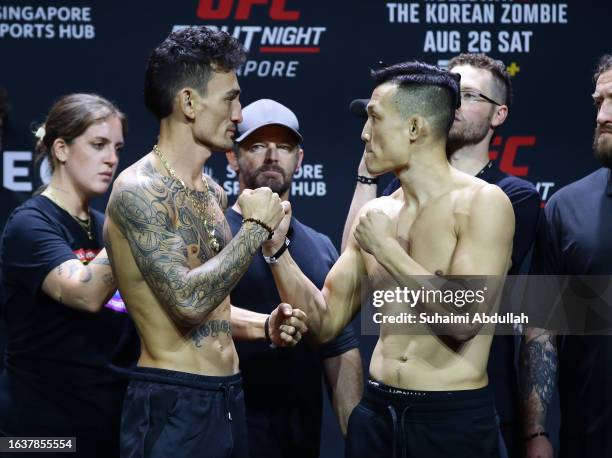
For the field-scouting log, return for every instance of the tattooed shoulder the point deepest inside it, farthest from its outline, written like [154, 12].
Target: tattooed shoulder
[217, 191]
[141, 198]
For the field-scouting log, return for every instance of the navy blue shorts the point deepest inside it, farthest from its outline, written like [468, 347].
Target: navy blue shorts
[393, 423]
[177, 414]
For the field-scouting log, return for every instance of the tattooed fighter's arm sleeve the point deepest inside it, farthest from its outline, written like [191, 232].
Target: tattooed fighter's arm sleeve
[142, 213]
[537, 372]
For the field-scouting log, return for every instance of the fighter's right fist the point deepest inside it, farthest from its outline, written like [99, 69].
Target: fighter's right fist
[261, 204]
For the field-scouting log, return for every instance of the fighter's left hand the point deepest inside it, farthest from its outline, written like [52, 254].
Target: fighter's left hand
[287, 325]
[374, 230]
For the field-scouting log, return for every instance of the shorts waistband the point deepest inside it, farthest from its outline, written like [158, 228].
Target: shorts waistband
[407, 405]
[187, 379]
[379, 393]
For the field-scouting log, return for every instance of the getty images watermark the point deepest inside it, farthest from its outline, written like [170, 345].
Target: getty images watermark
[438, 307]
[425, 305]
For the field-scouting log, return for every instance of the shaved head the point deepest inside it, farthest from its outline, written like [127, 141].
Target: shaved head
[423, 90]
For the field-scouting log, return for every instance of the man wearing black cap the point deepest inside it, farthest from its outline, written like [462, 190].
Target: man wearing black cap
[486, 95]
[267, 152]
[427, 395]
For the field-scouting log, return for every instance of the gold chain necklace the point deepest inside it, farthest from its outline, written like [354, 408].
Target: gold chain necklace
[85, 224]
[195, 203]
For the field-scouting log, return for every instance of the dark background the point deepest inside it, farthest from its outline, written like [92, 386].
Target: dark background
[552, 101]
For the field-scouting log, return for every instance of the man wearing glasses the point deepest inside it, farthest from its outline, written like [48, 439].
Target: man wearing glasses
[486, 95]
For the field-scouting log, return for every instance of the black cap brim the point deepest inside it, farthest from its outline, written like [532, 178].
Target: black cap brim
[358, 107]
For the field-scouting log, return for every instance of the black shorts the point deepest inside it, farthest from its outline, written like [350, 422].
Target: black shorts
[393, 423]
[176, 414]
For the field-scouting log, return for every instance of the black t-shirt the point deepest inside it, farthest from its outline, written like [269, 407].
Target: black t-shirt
[287, 379]
[57, 380]
[526, 205]
[575, 239]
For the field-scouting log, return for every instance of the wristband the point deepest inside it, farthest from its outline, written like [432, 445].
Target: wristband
[367, 180]
[274, 258]
[267, 330]
[262, 224]
[534, 435]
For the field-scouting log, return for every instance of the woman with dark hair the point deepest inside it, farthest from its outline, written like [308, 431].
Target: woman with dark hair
[57, 282]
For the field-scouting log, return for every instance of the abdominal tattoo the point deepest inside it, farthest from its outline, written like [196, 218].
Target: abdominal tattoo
[212, 328]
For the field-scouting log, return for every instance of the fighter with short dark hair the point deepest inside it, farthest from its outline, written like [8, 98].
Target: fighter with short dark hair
[486, 100]
[176, 262]
[427, 394]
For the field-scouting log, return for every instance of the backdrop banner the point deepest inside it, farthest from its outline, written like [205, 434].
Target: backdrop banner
[313, 56]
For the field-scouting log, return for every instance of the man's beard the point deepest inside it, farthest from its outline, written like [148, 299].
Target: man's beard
[602, 145]
[257, 179]
[467, 134]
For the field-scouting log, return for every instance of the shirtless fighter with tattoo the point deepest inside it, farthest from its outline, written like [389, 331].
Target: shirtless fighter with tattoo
[175, 261]
[428, 394]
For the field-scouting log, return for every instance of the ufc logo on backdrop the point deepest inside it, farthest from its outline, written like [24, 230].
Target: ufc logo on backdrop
[222, 9]
[507, 156]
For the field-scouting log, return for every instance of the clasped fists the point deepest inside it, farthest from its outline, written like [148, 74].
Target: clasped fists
[374, 231]
[271, 246]
[287, 325]
[261, 204]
